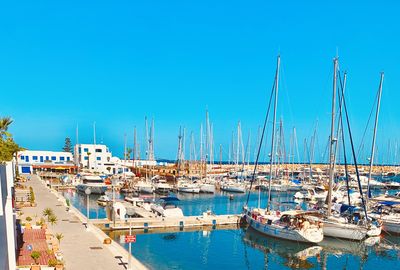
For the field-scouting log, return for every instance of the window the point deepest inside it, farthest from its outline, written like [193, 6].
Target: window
[34, 158]
[68, 159]
[80, 150]
[22, 157]
[53, 158]
[98, 151]
[98, 158]
[47, 158]
[86, 158]
[85, 150]
[62, 158]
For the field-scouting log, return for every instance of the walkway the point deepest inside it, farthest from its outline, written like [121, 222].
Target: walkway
[82, 249]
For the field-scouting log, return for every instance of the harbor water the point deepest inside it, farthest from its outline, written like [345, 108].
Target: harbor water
[244, 248]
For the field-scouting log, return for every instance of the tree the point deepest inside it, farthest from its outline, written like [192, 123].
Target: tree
[128, 153]
[59, 236]
[7, 145]
[35, 255]
[32, 195]
[53, 220]
[67, 145]
[48, 212]
[5, 122]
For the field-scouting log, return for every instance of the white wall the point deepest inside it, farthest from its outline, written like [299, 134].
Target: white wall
[7, 218]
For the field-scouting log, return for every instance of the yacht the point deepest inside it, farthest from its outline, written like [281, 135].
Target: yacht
[231, 186]
[167, 207]
[144, 187]
[162, 187]
[294, 225]
[207, 188]
[187, 187]
[94, 183]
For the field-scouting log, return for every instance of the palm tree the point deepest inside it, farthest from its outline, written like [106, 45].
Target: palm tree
[59, 236]
[5, 122]
[53, 220]
[48, 212]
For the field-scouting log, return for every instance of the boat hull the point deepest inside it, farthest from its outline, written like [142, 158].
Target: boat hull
[207, 188]
[189, 189]
[93, 189]
[147, 190]
[233, 189]
[311, 235]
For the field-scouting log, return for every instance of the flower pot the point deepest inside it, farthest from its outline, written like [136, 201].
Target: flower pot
[107, 241]
[35, 267]
[59, 267]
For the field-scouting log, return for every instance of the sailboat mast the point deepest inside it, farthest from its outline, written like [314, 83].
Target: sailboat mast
[371, 161]
[332, 139]
[273, 129]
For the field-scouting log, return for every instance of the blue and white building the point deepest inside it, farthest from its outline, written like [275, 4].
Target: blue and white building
[30, 160]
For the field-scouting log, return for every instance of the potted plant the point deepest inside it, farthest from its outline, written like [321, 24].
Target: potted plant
[35, 255]
[52, 262]
[68, 203]
[59, 265]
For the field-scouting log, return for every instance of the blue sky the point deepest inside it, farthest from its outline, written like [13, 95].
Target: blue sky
[76, 62]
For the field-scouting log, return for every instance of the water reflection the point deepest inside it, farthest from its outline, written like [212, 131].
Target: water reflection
[295, 255]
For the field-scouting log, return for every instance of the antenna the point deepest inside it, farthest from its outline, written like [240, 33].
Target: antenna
[77, 134]
[94, 133]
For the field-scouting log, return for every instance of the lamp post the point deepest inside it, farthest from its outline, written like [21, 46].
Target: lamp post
[87, 192]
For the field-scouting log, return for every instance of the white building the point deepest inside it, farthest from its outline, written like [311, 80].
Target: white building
[7, 217]
[30, 160]
[98, 158]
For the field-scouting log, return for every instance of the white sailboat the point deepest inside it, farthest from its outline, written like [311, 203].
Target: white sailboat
[353, 225]
[290, 225]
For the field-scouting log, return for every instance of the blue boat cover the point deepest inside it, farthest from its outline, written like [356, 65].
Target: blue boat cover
[387, 203]
[346, 207]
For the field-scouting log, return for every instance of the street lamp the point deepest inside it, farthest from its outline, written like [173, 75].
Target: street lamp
[87, 192]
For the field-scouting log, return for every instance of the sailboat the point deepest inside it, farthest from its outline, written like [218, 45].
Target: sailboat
[347, 223]
[291, 225]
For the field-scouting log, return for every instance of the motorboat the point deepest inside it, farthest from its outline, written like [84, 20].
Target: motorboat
[103, 200]
[93, 182]
[167, 207]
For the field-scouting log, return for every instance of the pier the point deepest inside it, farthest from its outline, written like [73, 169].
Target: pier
[211, 221]
[82, 247]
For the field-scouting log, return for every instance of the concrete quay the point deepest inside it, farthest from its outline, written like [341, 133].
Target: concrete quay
[82, 248]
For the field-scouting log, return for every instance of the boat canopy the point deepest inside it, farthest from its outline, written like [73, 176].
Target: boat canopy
[170, 199]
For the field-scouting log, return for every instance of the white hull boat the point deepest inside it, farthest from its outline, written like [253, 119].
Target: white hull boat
[280, 227]
[207, 188]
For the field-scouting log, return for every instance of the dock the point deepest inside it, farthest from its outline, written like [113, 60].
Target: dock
[212, 221]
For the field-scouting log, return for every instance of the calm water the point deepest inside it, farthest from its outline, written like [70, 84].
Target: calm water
[245, 249]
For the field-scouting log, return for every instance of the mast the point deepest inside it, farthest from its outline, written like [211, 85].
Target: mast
[273, 129]
[135, 156]
[332, 139]
[371, 161]
[220, 155]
